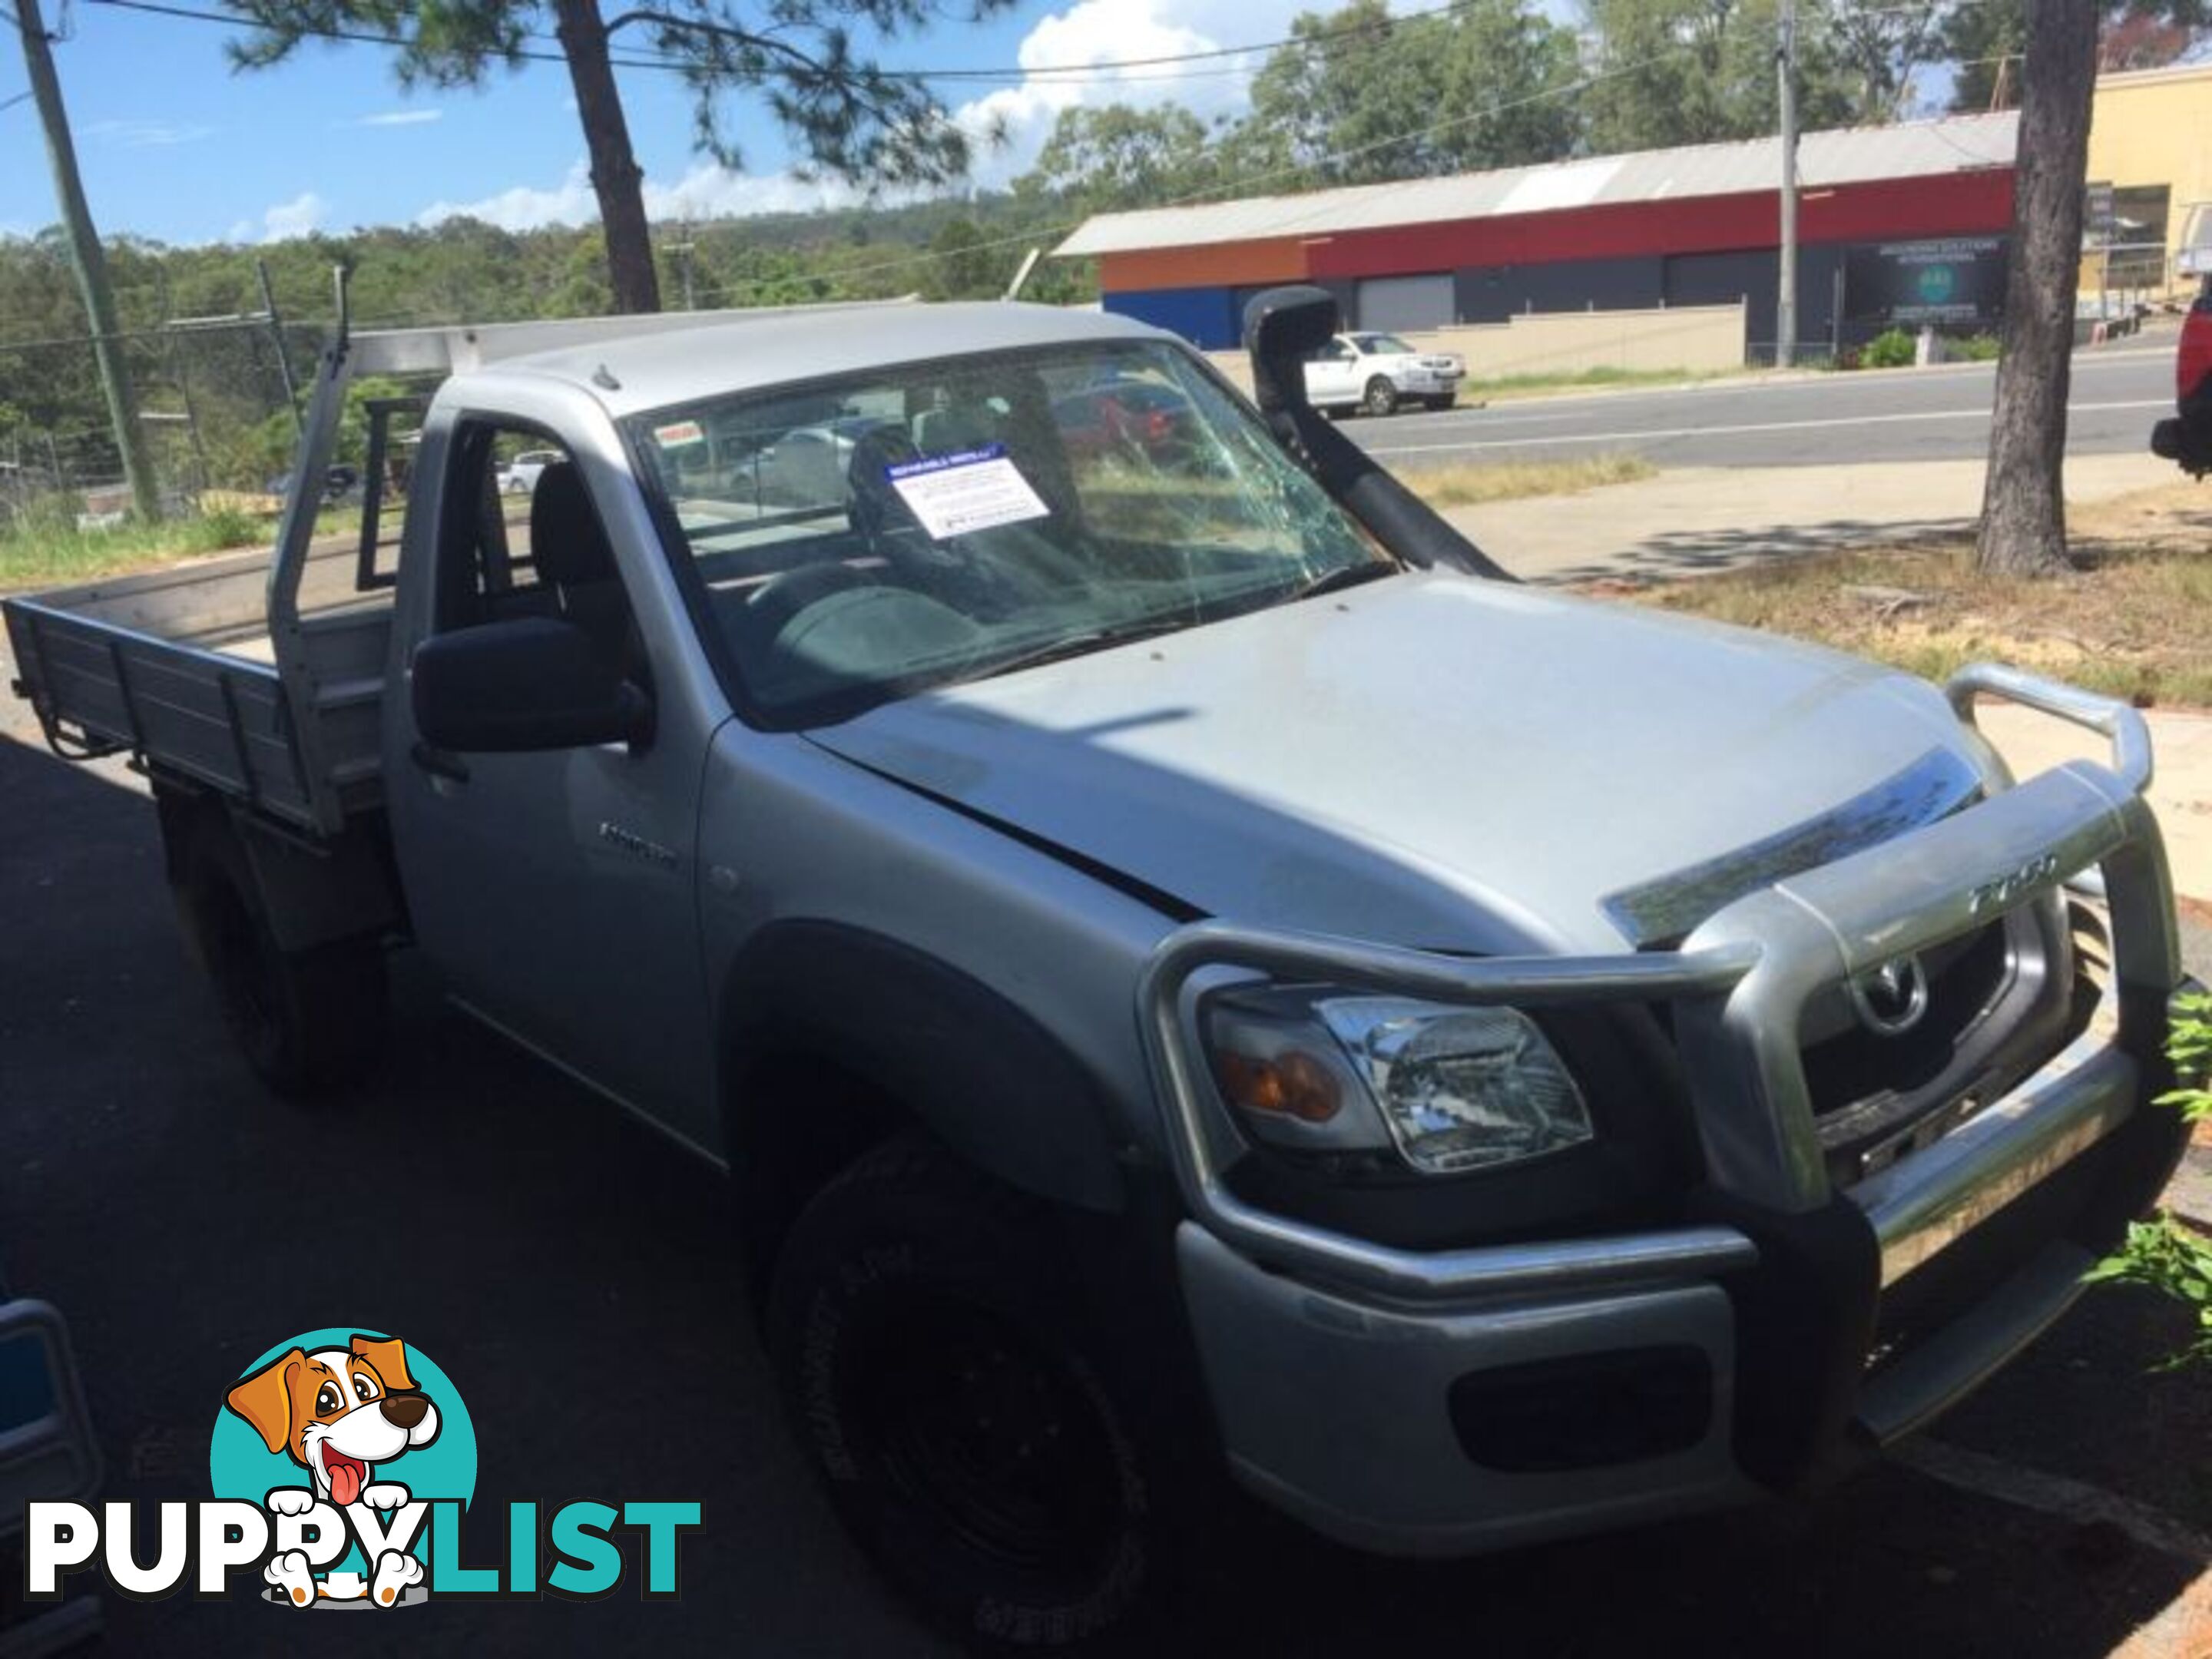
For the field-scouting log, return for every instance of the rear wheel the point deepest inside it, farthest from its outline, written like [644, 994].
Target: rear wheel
[1443, 402]
[308, 1021]
[925, 1335]
[1381, 396]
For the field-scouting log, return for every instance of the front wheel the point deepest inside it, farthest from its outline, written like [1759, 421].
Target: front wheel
[926, 1335]
[1382, 397]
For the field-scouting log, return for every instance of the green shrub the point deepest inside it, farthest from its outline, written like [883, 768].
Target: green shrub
[2166, 1253]
[1973, 349]
[1891, 348]
[228, 527]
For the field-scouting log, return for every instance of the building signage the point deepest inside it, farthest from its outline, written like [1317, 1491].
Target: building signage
[1953, 280]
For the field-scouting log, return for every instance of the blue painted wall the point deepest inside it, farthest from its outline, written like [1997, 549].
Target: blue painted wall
[1206, 316]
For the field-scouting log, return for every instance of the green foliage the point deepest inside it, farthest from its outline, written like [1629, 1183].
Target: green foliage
[794, 58]
[1986, 40]
[2189, 1047]
[2166, 1253]
[2169, 1255]
[1339, 104]
[1104, 158]
[1974, 348]
[1891, 348]
[965, 265]
[1701, 71]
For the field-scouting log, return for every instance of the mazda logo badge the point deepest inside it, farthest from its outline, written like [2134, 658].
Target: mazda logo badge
[1892, 999]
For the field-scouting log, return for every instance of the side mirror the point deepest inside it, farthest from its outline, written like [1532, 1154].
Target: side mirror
[1283, 328]
[532, 683]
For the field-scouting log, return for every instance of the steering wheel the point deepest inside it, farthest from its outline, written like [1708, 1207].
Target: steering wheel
[769, 608]
[886, 523]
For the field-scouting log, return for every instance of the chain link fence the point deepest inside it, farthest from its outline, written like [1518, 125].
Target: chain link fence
[215, 409]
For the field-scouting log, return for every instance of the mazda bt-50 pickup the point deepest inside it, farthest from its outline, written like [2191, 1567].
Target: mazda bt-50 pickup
[1199, 980]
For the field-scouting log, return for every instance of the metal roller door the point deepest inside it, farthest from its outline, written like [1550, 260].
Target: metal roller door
[1407, 302]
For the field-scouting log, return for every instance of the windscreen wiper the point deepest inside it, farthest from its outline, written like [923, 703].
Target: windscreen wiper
[1078, 645]
[1343, 576]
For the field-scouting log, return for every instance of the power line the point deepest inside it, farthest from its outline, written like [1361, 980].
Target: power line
[1103, 70]
[1272, 175]
[361, 36]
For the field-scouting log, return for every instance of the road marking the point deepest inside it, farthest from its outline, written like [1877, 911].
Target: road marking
[1726, 386]
[2051, 1494]
[1747, 429]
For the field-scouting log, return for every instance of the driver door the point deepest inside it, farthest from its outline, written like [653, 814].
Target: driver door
[556, 891]
[1332, 376]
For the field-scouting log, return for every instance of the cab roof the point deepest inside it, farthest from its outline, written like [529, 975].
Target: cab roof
[754, 351]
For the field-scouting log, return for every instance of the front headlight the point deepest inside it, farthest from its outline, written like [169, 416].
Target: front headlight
[1448, 1089]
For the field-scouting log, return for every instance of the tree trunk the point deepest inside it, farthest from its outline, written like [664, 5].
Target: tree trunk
[2024, 500]
[616, 178]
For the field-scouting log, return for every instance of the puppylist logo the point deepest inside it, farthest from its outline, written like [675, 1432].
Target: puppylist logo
[342, 1464]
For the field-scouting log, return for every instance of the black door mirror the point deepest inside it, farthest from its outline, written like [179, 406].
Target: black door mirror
[1283, 328]
[529, 684]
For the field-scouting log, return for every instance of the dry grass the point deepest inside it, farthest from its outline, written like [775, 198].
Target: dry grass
[1470, 483]
[2133, 620]
[1506, 388]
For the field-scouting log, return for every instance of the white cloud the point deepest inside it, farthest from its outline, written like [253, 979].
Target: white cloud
[146, 135]
[706, 192]
[400, 117]
[1082, 34]
[1094, 32]
[297, 218]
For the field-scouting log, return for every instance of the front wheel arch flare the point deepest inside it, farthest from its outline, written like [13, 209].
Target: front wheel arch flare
[965, 1062]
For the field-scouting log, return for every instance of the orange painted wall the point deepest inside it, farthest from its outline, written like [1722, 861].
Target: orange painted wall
[1226, 265]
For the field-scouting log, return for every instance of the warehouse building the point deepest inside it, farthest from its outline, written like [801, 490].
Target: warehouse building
[1898, 225]
[2150, 179]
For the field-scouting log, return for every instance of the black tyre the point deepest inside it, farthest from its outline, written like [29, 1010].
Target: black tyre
[925, 1335]
[309, 1022]
[1381, 396]
[1441, 403]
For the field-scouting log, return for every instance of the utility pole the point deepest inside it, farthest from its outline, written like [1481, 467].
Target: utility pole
[1785, 299]
[90, 263]
[683, 252]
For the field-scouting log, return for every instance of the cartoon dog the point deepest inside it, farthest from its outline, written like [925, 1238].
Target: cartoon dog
[338, 1413]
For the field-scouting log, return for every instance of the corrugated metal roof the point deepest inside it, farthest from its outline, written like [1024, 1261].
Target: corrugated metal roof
[1913, 150]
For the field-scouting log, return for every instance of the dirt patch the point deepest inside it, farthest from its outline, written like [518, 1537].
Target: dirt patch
[2130, 620]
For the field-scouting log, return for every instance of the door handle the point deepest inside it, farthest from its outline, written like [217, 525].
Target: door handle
[438, 762]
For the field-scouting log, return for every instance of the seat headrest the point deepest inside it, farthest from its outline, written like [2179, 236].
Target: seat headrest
[566, 540]
[941, 431]
[875, 504]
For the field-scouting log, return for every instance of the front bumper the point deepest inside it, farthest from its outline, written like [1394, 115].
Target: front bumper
[1421, 380]
[1453, 1401]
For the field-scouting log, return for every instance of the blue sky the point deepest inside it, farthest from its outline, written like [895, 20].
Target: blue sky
[175, 145]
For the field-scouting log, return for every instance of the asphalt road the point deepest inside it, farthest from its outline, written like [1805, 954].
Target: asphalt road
[568, 1269]
[1816, 420]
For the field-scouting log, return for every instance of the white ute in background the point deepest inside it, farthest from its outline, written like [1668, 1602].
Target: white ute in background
[1374, 373]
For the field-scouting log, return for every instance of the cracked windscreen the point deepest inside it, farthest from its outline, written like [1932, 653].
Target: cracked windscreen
[875, 536]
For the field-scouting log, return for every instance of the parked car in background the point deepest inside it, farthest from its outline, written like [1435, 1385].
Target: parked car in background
[2187, 438]
[519, 476]
[1121, 414]
[1375, 373]
[807, 466]
[339, 481]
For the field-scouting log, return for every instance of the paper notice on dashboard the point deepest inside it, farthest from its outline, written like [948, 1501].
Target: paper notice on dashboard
[974, 489]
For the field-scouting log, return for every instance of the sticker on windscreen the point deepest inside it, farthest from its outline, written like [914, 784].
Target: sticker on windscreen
[680, 434]
[957, 495]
